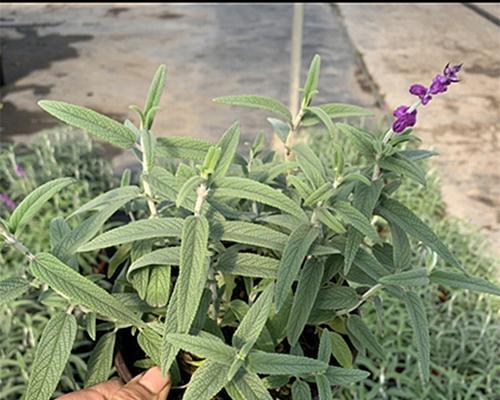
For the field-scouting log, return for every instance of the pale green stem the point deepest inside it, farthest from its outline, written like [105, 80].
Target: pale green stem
[14, 242]
[365, 297]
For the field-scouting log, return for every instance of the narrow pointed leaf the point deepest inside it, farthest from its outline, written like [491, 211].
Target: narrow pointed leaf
[323, 117]
[248, 264]
[159, 285]
[228, 144]
[325, 347]
[403, 166]
[96, 124]
[207, 381]
[182, 147]
[165, 256]
[357, 328]
[310, 164]
[101, 360]
[296, 249]
[401, 246]
[345, 376]
[336, 110]
[324, 387]
[12, 288]
[301, 391]
[52, 354]
[79, 289]
[397, 213]
[341, 350]
[284, 364]
[303, 301]
[33, 202]
[262, 102]
[414, 277]
[206, 346]
[336, 298]
[154, 95]
[188, 188]
[420, 326]
[461, 281]
[193, 270]
[247, 386]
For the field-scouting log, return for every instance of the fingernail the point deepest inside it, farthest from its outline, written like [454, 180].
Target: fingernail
[154, 381]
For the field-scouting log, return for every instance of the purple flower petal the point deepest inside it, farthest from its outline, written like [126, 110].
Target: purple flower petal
[404, 121]
[20, 172]
[400, 111]
[418, 90]
[7, 201]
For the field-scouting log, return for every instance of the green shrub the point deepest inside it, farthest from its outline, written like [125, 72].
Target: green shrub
[243, 275]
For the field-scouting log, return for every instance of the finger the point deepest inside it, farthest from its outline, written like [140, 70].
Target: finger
[147, 387]
[102, 391]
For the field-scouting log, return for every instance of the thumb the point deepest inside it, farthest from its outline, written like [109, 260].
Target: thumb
[148, 386]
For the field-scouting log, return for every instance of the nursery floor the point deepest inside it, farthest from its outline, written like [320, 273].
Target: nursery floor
[103, 57]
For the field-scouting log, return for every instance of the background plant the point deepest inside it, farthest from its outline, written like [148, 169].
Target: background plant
[275, 257]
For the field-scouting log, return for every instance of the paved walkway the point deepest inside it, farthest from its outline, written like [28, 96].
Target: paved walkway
[404, 44]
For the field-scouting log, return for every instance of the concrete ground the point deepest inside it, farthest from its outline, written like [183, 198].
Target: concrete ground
[103, 57]
[404, 44]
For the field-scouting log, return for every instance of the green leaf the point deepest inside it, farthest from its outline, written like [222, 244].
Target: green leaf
[296, 249]
[207, 381]
[205, 346]
[58, 229]
[357, 219]
[401, 247]
[52, 354]
[341, 350]
[336, 298]
[33, 202]
[193, 270]
[165, 256]
[96, 124]
[345, 376]
[325, 347]
[188, 188]
[79, 289]
[119, 195]
[228, 144]
[303, 301]
[281, 129]
[154, 95]
[262, 102]
[247, 386]
[101, 360]
[335, 110]
[284, 364]
[301, 391]
[414, 277]
[357, 328]
[420, 327]
[331, 221]
[311, 85]
[403, 166]
[461, 281]
[310, 164]
[418, 154]
[148, 145]
[323, 117]
[150, 342]
[138, 230]
[169, 351]
[322, 194]
[248, 264]
[12, 288]
[250, 234]
[182, 147]
[158, 290]
[324, 388]
[363, 141]
[243, 188]
[395, 212]
[254, 321]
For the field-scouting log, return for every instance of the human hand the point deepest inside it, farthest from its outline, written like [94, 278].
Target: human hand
[149, 385]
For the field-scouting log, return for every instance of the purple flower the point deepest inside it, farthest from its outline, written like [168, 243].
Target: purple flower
[422, 92]
[451, 72]
[404, 119]
[20, 172]
[439, 84]
[7, 201]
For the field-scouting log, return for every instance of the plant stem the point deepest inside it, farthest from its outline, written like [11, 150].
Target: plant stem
[14, 242]
[291, 134]
[202, 193]
[365, 297]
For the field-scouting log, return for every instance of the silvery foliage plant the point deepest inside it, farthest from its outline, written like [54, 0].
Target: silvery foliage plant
[243, 275]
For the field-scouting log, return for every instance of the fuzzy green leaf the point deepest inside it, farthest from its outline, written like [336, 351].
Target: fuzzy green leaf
[284, 364]
[33, 202]
[166, 256]
[301, 391]
[330, 220]
[101, 360]
[250, 234]
[193, 270]
[341, 350]
[248, 264]
[413, 277]
[247, 385]
[323, 117]
[158, 290]
[297, 247]
[461, 281]
[138, 230]
[345, 376]
[262, 102]
[182, 147]
[363, 141]
[243, 188]
[228, 144]
[403, 166]
[310, 164]
[303, 301]
[357, 328]
[335, 110]
[52, 354]
[12, 288]
[207, 381]
[96, 124]
[336, 298]
[324, 388]
[401, 247]
[254, 321]
[357, 219]
[188, 188]
[79, 289]
[205, 346]
[420, 326]
[154, 95]
[397, 213]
